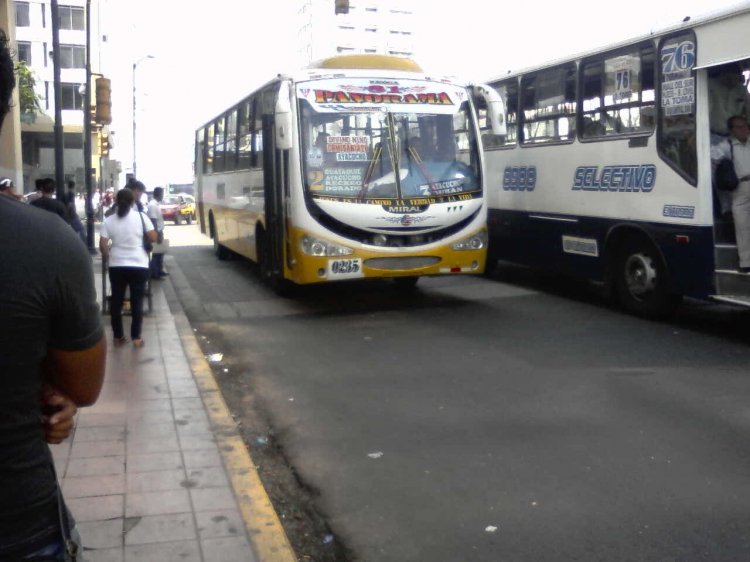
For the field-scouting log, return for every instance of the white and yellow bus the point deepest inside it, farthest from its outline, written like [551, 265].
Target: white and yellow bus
[361, 166]
[605, 171]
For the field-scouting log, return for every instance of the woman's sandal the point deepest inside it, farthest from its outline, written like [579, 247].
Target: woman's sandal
[120, 341]
[138, 342]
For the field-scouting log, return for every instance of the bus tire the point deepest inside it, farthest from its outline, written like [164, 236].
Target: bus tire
[641, 282]
[221, 251]
[405, 284]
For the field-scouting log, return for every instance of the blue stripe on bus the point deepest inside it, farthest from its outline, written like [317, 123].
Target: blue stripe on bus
[536, 240]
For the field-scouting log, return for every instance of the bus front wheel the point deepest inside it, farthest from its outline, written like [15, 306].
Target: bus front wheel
[641, 282]
[406, 283]
[220, 251]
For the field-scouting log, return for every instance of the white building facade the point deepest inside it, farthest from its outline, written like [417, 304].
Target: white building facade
[371, 26]
[33, 45]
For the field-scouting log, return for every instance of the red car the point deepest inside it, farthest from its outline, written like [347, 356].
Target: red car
[177, 208]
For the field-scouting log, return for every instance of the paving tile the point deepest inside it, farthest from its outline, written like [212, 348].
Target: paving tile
[197, 441]
[102, 406]
[214, 477]
[153, 445]
[228, 549]
[211, 499]
[88, 449]
[220, 523]
[148, 405]
[114, 433]
[105, 555]
[87, 486]
[101, 534]
[87, 419]
[159, 528]
[202, 459]
[147, 431]
[158, 416]
[192, 427]
[181, 404]
[154, 461]
[157, 481]
[191, 416]
[183, 551]
[157, 503]
[96, 508]
[97, 466]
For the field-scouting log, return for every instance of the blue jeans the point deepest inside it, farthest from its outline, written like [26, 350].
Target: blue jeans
[55, 551]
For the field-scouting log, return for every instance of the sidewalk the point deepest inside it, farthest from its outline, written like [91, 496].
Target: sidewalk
[156, 469]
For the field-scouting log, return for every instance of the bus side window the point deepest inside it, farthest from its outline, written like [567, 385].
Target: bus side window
[617, 92]
[245, 145]
[549, 105]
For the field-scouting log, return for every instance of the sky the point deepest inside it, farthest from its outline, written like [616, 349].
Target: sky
[205, 60]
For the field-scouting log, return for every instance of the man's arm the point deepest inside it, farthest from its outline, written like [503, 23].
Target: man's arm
[77, 374]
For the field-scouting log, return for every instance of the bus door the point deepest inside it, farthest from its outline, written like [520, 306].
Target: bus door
[275, 175]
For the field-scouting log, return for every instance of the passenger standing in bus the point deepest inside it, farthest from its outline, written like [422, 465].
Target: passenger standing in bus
[727, 97]
[739, 152]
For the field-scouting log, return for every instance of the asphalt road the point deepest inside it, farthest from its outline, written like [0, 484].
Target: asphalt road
[516, 418]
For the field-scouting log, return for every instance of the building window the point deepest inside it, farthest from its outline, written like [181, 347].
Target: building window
[22, 14]
[71, 17]
[24, 52]
[71, 96]
[72, 56]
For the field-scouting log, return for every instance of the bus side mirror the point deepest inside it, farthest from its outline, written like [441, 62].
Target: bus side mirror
[495, 108]
[283, 119]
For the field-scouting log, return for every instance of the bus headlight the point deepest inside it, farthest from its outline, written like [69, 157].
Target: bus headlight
[474, 242]
[316, 247]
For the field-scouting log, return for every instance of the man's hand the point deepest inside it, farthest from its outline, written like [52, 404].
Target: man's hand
[58, 413]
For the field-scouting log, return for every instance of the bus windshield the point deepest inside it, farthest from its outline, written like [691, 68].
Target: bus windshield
[361, 154]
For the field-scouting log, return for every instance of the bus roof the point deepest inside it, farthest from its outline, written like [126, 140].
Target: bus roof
[686, 23]
[368, 62]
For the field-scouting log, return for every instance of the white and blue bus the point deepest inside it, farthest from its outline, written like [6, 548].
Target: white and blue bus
[361, 166]
[605, 170]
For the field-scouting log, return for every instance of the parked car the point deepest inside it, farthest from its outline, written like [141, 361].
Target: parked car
[178, 208]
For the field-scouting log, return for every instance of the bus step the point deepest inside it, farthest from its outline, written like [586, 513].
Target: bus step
[733, 283]
[726, 257]
[732, 299]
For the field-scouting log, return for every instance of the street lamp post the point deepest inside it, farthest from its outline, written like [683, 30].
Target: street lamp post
[135, 65]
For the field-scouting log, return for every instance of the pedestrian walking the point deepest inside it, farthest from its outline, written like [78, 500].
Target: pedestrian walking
[74, 219]
[121, 243]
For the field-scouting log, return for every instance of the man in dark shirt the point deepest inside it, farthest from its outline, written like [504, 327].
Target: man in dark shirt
[48, 202]
[51, 346]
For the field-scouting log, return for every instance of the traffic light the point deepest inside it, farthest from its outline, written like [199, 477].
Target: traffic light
[104, 146]
[103, 101]
[342, 6]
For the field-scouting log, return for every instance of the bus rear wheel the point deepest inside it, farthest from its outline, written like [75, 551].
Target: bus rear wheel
[641, 282]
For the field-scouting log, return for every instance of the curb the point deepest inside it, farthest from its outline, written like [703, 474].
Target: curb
[264, 529]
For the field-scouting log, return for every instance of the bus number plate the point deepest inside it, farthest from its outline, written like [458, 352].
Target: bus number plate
[342, 269]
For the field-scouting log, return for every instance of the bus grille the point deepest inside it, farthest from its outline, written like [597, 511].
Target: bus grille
[402, 263]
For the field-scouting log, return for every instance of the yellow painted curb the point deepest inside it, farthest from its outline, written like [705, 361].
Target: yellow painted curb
[264, 528]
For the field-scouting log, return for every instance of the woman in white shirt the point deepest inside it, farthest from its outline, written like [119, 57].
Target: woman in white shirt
[121, 242]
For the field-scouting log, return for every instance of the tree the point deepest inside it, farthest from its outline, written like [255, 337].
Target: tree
[28, 98]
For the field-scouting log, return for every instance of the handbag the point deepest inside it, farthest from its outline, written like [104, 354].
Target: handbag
[147, 244]
[725, 174]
